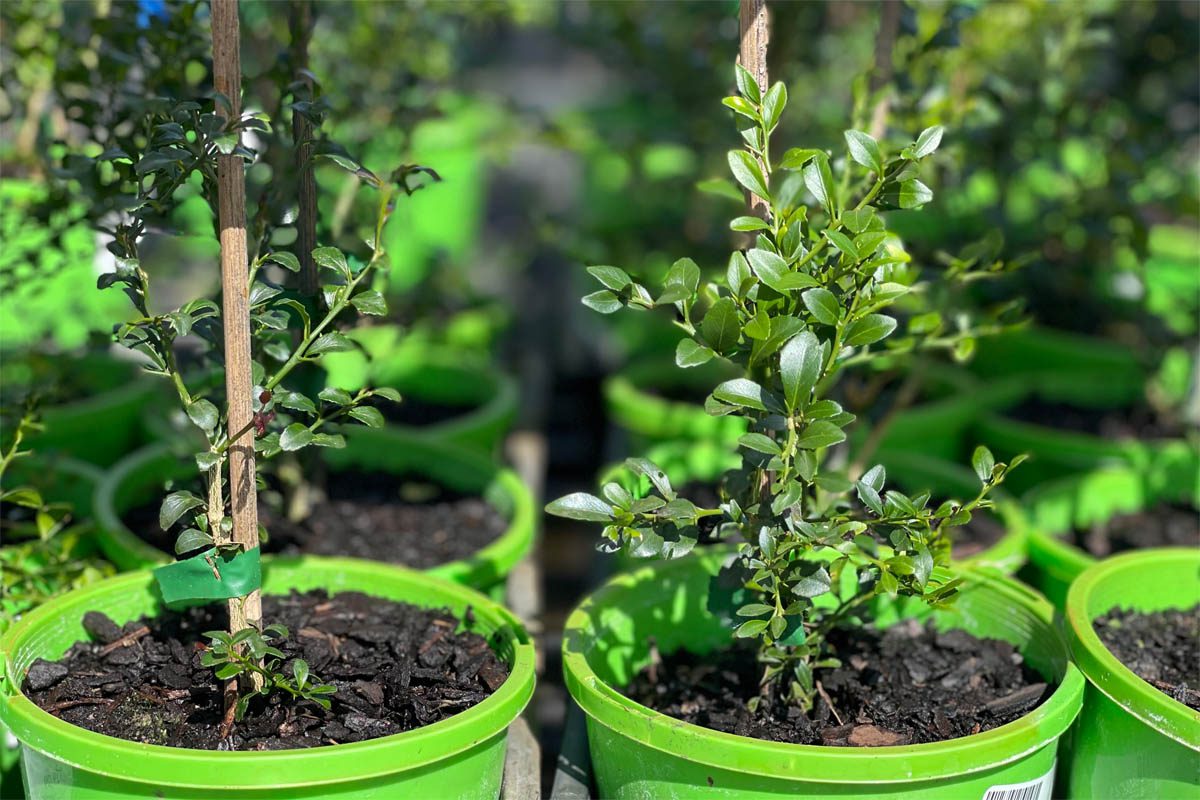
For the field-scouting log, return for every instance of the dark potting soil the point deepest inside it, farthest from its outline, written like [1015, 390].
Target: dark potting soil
[369, 515]
[1162, 648]
[396, 667]
[982, 532]
[1164, 525]
[906, 685]
[1138, 422]
[415, 412]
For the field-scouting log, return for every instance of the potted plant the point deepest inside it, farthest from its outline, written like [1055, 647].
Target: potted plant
[1132, 626]
[419, 677]
[675, 704]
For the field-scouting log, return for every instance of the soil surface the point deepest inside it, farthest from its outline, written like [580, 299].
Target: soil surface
[983, 531]
[1164, 525]
[906, 685]
[1162, 649]
[1138, 422]
[396, 667]
[368, 515]
[415, 412]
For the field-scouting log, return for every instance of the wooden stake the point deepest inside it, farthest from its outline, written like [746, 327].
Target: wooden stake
[752, 55]
[881, 76]
[306, 222]
[235, 291]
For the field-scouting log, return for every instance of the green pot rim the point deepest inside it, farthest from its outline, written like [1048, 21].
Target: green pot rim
[840, 765]
[1105, 671]
[180, 767]
[1049, 550]
[129, 551]
[641, 413]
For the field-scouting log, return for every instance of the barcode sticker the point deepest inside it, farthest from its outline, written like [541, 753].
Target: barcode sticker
[1036, 789]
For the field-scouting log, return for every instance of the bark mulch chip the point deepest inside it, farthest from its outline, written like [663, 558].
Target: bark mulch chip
[396, 667]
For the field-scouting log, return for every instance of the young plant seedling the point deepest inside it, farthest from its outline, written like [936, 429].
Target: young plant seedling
[805, 301]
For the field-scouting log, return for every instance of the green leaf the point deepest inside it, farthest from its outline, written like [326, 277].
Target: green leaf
[742, 106]
[387, 393]
[747, 86]
[720, 326]
[294, 401]
[741, 392]
[333, 342]
[371, 417]
[684, 272]
[332, 394]
[603, 301]
[800, 368]
[770, 268]
[294, 437]
[690, 354]
[842, 242]
[822, 304]
[334, 440]
[613, 278]
[300, 672]
[174, 506]
[192, 539]
[370, 302]
[332, 258]
[204, 415]
[820, 434]
[581, 506]
[749, 224]
[261, 293]
[750, 628]
[773, 105]
[797, 157]
[747, 172]
[819, 180]
[207, 460]
[869, 329]
[864, 150]
[914, 194]
[928, 141]
[737, 273]
[755, 610]
[813, 584]
[983, 462]
[760, 443]
[285, 260]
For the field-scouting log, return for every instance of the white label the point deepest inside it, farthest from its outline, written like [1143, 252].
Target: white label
[1036, 789]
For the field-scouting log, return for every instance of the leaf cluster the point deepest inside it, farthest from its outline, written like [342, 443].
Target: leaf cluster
[250, 652]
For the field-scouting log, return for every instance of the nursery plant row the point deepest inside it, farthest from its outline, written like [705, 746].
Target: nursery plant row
[269, 533]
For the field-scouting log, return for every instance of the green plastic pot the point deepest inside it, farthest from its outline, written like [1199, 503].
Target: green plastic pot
[106, 425]
[461, 757]
[434, 374]
[1055, 453]
[650, 419]
[140, 477]
[640, 753]
[1081, 501]
[915, 472]
[1131, 741]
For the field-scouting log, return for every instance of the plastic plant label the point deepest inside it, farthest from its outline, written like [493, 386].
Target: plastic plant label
[1036, 789]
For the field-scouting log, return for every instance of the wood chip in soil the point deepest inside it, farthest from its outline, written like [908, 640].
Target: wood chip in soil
[1161, 648]
[396, 667]
[909, 684]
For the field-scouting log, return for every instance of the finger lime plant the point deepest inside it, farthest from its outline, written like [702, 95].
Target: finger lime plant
[806, 301]
[254, 686]
[817, 554]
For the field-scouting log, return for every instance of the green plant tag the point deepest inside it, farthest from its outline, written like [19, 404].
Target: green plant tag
[210, 576]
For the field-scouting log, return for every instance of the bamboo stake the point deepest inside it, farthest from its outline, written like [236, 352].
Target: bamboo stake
[239, 386]
[306, 222]
[752, 55]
